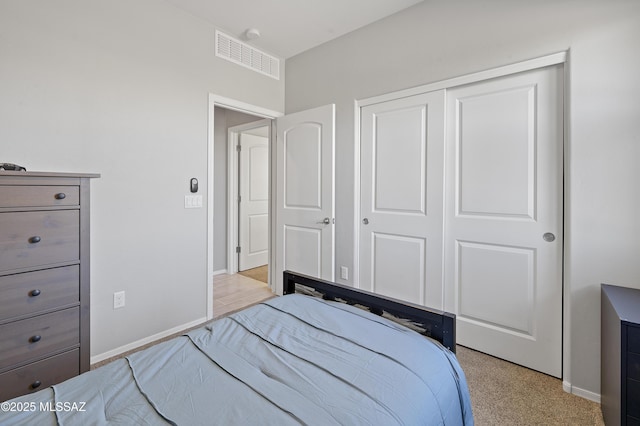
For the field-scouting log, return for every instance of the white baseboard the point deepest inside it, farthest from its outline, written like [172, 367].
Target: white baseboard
[591, 396]
[219, 272]
[133, 345]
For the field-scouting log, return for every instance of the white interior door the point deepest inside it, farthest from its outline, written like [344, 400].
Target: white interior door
[401, 203]
[304, 240]
[253, 200]
[503, 270]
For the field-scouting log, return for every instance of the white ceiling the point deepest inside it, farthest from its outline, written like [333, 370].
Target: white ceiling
[289, 27]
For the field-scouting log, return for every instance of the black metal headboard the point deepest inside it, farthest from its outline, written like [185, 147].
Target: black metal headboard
[438, 325]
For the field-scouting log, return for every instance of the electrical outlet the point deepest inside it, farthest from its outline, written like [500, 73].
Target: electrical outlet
[344, 272]
[118, 299]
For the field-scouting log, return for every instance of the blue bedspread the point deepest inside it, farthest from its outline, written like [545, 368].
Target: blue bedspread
[290, 360]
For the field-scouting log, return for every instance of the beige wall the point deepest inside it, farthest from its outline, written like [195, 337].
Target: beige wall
[437, 40]
[122, 88]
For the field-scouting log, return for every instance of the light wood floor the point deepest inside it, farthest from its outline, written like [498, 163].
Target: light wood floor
[234, 292]
[260, 273]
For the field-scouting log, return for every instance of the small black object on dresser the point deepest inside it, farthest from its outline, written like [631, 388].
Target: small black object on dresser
[620, 355]
[44, 279]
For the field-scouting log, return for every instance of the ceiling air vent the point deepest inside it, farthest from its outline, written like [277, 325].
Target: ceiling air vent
[241, 53]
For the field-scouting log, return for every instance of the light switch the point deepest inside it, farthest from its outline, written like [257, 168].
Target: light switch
[192, 201]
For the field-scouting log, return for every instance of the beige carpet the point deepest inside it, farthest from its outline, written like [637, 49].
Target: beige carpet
[503, 393]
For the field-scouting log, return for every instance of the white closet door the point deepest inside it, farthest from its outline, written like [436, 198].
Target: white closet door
[401, 205]
[503, 253]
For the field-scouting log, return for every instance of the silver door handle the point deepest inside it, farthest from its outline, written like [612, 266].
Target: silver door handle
[325, 221]
[365, 221]
[548, 237]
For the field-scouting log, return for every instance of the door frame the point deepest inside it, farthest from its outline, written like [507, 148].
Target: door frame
[235, 105]
[527, 65]
[233, 134]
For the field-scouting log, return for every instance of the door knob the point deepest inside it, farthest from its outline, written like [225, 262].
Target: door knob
[549, 237]
[365, 221]
[325, 221]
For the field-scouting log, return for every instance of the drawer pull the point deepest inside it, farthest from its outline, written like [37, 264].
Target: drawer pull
[35, 338]
[36, 384]
[61, 196]
[34, 293]
[35, 239]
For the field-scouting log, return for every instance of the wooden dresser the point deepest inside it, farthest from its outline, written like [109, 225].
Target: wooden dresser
[620, 355]
[44, 279]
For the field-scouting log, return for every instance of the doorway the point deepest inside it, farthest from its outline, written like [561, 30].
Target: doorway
[248, 200]
[223, 113]
[296, 133]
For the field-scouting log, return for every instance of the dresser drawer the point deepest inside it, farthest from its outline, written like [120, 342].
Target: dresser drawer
[29, 239]
[633, 339]
[39, 196]
[32, 292]
[39, 375]
[35, 337]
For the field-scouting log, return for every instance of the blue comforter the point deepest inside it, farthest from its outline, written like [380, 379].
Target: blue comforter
[291, 360]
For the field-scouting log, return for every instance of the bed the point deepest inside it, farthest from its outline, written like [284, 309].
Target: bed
[342, 358]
